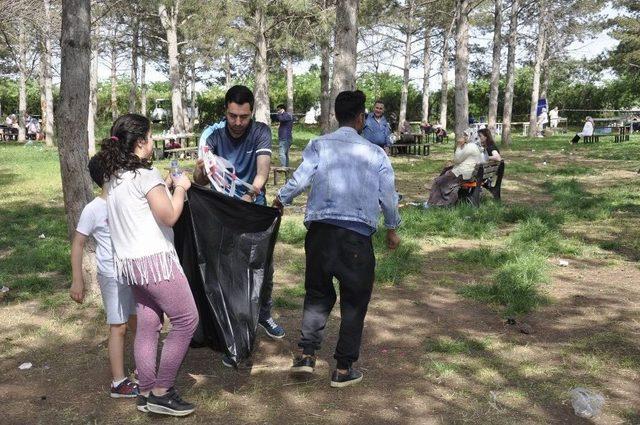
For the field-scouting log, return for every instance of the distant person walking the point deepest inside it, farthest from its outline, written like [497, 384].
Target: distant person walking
[376, 128]
[285, 134]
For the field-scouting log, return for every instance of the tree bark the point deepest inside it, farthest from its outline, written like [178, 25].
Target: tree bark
[325, 91]
[192, 99]
[404, 92]
[113, 78]
[535, 91]
[75, 42]
[93, 103]
[22, 91]
[143, 80]
[47, 113]
[345, 52]
[444, 70]
[462, 68]
[511, 64]
[227, 69]
[290, 85]
[544, 88]
[262, 107]
[426, 60]
[133, 89]
[170, 24]
[495, 67]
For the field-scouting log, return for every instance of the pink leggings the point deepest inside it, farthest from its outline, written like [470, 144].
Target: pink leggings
[173, 298]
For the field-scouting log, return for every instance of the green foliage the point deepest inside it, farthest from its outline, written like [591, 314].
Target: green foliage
[393, 266]
[292, 232]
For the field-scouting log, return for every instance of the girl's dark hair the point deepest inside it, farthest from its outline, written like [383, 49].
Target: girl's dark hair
[96, 171]
[487, 133]
[117, 150]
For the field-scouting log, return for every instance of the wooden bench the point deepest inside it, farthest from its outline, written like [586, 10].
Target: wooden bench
[488, 176]
[286, 171]
[422, 149]
[623, 134]
[591, 139]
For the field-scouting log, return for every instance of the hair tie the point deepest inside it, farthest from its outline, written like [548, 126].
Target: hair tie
[114, 138]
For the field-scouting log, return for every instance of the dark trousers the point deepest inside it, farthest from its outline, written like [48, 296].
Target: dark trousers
[266, 302]
[575, 139]
[333, 251]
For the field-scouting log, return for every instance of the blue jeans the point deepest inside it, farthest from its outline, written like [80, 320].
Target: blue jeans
[283, 148]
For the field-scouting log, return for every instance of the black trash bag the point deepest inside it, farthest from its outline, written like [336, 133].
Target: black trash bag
[225, 246]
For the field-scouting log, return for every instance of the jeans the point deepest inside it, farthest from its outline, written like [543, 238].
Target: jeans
[333, 251]
[283, 148]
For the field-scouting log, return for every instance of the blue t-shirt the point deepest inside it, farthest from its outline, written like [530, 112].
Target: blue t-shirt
[286, 125]
[243, 152]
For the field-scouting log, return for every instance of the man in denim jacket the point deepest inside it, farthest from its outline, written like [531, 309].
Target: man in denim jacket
[350, 181]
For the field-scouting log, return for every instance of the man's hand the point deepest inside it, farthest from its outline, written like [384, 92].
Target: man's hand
[247, 198]
[393, 240]
[77, 291]
[277, 204]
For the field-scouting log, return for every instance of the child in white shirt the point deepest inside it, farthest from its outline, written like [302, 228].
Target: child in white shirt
[117, 298]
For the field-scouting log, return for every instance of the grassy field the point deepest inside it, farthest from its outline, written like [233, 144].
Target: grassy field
[473, 319]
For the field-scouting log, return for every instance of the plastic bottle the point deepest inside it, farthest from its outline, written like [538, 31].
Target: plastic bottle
[175, 168]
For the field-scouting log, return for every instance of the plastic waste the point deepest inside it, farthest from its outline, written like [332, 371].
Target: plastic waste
[25, 366]
[563, 263]
[586, 403]
[42, 236]
[175, 168]
[4, 289]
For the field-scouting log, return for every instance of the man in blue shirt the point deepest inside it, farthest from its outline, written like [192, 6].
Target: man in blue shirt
[376, 128]
[350, 181]
[247, 145]
[284, 134]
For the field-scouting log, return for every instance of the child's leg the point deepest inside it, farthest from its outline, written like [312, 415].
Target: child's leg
[176, 300]
[116, 350]
[145, 346]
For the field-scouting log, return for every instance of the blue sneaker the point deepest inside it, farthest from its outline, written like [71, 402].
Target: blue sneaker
[226, 361]
[272, 328]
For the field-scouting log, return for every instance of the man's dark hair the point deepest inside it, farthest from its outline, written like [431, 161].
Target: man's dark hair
[349, 104]
[240, 95]
[281, 106]
[378, 101]
[96, 170]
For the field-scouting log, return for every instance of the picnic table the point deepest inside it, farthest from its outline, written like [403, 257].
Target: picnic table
[160, 151]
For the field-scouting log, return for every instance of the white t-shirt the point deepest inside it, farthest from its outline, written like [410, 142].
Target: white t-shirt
[466, 159]
[139, 241]
[94, 222]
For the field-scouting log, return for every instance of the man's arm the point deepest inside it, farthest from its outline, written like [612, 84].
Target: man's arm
[388, 198]
[262, 174]
[302, 177]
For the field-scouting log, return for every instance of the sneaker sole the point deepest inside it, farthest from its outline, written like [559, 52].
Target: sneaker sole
[116, 395]
[229, 365]
[302, 369]
[270, 334]
[143, 409]
[162, 410]
[335, 384]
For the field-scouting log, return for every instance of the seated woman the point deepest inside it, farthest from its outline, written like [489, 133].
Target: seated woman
[491, 152]
[406, 135]
[587, 130]
[441, 133]
[426, 127]
[444, 189]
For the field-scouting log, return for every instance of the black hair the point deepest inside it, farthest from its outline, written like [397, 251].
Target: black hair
[117, 150]
[487, 134]
[96, 170]
[349, 104]
[281, 106]
[240, 95]
[378, 101]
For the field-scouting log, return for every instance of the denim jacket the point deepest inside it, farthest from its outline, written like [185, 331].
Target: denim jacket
[350, 179]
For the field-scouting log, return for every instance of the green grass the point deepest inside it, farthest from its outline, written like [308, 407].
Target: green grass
[292, 232]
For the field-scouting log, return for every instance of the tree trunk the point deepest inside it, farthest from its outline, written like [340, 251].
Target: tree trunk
[345, 52]
[227, 69]
[113, 79]
[325, 94]
[444, 70]
[22, 94]
[495, 67]
[544, 89]
[133, 90]
[404, 92]
[535, 91]
[93, 103]
[192, 99]
[262, 108]
[47, 113]
[426, 60]
[511, 73]
[43, 101]
[170, 24]
[290, 85]
[75, 42]
[143, 80]
[462, 68]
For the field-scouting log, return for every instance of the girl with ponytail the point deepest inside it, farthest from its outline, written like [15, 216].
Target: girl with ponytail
[141, 212]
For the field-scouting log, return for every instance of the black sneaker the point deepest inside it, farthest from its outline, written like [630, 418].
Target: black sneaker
[141, 403]
[304, 364]
[169, 404]
[339, 380]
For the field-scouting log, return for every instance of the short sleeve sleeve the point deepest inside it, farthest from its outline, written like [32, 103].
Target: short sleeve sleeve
[263, 142]
[148, 179]
[87, 221]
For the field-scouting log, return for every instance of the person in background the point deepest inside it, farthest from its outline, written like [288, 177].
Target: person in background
[543, 118]
[285, 136]
[587, 130]
[491, 152]
[350, 181]
[426, 127]
[376, 128]
[553, 118]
